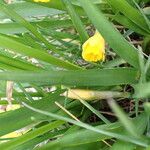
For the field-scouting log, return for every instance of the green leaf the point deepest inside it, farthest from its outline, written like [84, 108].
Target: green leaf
[123, 146]
[22, 117]
[26, 9]
[13, 15]
[76, 20]
[141, 124]
[36, 53]
[16, 63]
[78, 138]
[133, 14]
[142, 90]
[126, 122]
[89, 127]
[101, 77]
[12, 27]
[147, 107]
[30, 135]
[130, 24]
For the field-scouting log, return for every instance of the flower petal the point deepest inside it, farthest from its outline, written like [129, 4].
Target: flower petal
[94, 48]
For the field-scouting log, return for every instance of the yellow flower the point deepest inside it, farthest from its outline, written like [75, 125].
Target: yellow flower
[41, 1]
[94, 48]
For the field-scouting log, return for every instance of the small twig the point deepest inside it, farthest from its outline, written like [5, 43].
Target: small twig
[107, 143]
[9, 91]
[136, 42]
[108, 113]
[65, 110]
[119, 27]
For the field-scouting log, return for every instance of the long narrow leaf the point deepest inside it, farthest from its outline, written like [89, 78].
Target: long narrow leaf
[39, 54]
[103, 77]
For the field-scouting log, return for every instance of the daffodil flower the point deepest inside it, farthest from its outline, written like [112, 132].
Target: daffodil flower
[45, 1]
[94, 48]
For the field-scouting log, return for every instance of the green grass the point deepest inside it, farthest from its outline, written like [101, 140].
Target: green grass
[40, 51]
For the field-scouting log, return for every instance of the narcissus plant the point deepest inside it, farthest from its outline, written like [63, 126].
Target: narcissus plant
[94, 48]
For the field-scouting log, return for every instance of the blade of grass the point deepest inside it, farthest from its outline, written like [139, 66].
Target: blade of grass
[147, 107]
[142, 78]
[147, 66]
[27, 25]
[13, 27]
[29, 97]
[123, 146]
[22, 117]
[34, 142]
[97, 113]
[141, 124]
[133, 14]
[129, 24]
[18, 63]
[130, 127]
[142, 13]
[142, 90]
[32, 52]
[101, 77]
[81, 124]
[30, 135]
[78, 138]
[76, 20]
[27, 10]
